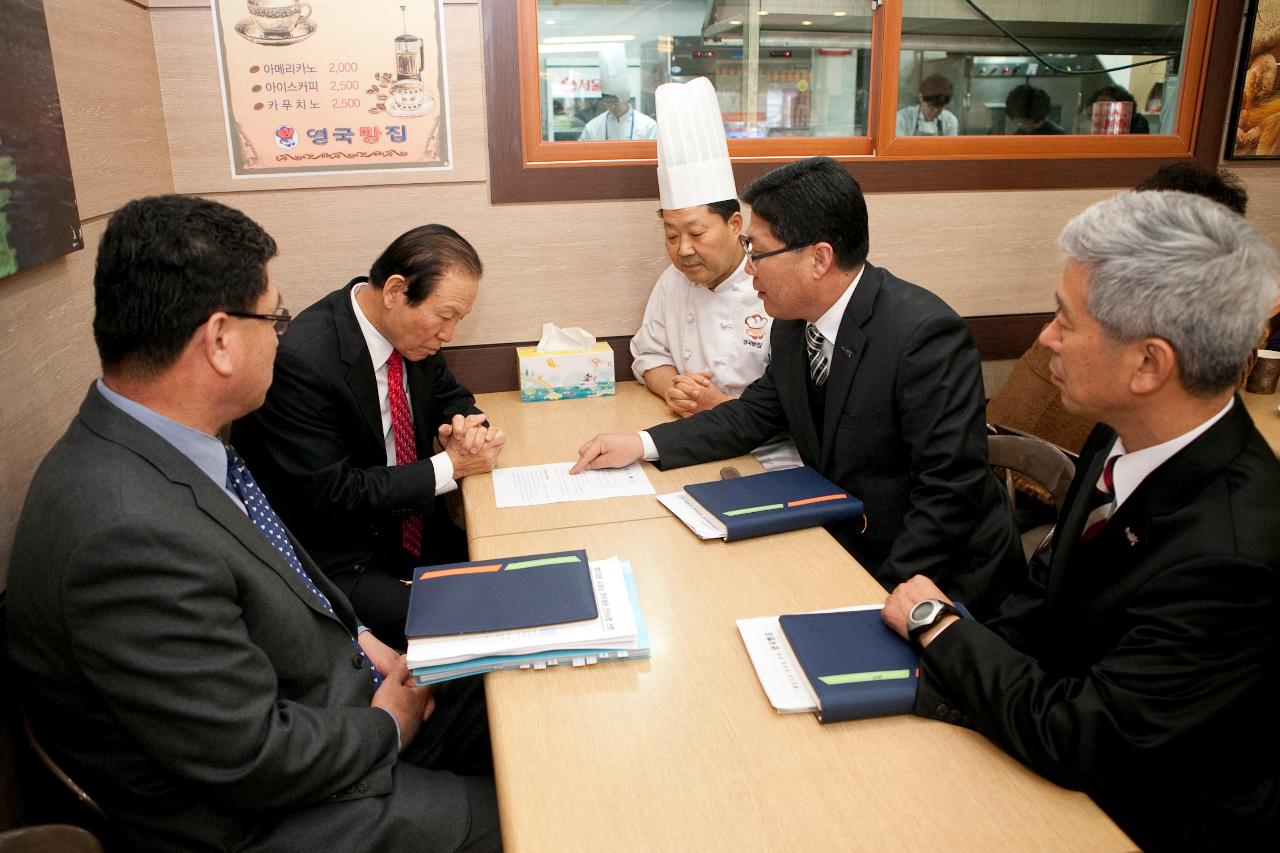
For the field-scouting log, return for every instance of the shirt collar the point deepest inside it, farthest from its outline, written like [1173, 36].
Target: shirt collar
[1132, 468]
[380, 348]
[829, 323]
[206, 452]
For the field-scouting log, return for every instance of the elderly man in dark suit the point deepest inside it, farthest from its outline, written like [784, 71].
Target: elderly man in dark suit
[180, 653]
[1139, 662]
[878, 382]
[343, 445]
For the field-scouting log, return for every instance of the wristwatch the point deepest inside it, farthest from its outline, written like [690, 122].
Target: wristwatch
[926, 614]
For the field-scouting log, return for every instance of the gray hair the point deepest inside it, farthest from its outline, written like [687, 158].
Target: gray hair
[1179, 267]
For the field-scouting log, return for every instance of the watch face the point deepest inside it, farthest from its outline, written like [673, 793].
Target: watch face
[922, 611]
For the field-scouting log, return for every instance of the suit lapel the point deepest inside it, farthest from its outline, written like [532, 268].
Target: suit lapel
[114, 425]
[420, 404]
[1170, 487]
[850, 344]
[354, 353]
[791, 367]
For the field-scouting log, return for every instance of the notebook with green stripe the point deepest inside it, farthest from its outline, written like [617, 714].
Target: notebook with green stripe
[774, 502]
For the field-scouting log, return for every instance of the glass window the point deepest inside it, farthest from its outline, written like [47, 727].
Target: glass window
[779, 72]
[1082, 68]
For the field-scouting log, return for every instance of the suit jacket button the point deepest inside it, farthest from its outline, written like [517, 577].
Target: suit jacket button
[362, 787]
[357, 661]
[941, 711]
[955, 716]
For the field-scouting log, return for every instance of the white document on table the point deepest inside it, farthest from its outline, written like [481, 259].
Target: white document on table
[701, 522]
[531, 485]
[776, 666]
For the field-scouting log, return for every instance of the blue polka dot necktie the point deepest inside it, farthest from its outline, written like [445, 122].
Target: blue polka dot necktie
[268, 523]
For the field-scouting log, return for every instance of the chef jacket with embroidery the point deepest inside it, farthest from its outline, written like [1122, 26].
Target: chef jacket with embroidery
[724, 331]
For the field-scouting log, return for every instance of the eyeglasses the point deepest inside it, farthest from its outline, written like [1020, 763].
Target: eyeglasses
[280, 320]
[936, 100]
[757, 257]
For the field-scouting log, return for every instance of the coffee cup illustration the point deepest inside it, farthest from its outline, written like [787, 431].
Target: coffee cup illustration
[278, 18]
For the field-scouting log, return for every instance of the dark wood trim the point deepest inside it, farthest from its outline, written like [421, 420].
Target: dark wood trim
[511, 181]
[492, 367]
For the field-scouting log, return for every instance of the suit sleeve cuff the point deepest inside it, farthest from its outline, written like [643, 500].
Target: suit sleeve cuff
[444, 473]
[650, 449]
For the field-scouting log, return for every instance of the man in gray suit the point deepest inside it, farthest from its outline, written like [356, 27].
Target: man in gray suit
[180, 655]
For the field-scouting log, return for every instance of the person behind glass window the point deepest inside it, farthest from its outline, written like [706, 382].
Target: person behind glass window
[1028, 108]
[928, 117]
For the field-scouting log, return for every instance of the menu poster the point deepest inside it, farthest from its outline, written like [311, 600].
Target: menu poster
[333, 86]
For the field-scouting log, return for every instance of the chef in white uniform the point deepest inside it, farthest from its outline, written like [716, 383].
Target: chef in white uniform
[619, 120]
[705, 333]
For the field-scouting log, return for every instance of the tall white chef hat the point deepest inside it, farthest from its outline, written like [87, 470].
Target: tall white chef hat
[693, 157]
[614, 79]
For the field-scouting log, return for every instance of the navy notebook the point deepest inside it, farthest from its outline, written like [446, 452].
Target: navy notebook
[500, 594]
[857, 666]
[774, 501]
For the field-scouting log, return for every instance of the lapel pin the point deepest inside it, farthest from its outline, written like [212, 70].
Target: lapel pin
[1128, 534]
[848, 353]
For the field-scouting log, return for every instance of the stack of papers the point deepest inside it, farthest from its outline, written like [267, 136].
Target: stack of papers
[617, 631]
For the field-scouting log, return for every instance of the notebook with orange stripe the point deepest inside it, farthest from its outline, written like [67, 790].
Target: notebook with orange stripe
[774, 502]
[500, 595]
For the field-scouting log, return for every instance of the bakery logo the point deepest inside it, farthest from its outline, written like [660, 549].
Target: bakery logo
[755, 325]
[286, 137]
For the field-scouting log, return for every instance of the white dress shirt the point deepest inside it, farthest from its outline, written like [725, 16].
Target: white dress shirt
[1132, 468]
[380, 350]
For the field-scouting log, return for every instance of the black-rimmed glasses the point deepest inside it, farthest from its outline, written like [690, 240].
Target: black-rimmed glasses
[280, 319]
[757, 257]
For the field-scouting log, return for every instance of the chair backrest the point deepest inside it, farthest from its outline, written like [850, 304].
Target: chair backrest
[49, 838]
[58, 773]
[1035, 458]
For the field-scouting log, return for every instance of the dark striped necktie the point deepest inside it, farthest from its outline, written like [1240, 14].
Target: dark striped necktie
[1102, 502]
[819, 364]
[240, 481]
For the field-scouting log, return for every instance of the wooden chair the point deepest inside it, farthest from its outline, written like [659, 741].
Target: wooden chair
[81, 795]
[49, 838]
[1044, 464]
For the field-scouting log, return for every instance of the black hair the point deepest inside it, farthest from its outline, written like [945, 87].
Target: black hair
[724, 209]
[811, 201]
[1222, 187]
[1110, 93]
[423, 255]
[165, 264]
[1027, 102]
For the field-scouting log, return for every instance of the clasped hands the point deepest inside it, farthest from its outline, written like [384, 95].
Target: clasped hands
[693, 392]
[472, 447]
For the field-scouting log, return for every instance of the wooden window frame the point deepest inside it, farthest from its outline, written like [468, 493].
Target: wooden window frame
[525, 168]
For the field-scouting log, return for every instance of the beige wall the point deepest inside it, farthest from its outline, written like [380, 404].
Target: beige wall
[584, 263]
[110, 93]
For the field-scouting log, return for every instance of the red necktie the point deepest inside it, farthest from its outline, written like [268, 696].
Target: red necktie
[406, 447]
[1102, 503]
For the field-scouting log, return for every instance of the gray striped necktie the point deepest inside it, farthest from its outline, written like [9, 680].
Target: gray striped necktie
[819, 364]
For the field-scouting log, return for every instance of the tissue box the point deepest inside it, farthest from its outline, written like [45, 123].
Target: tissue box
[565, 375]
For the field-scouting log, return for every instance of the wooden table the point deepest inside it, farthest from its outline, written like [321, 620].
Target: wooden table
[1265, 416]
[552, 431]
[683, 751]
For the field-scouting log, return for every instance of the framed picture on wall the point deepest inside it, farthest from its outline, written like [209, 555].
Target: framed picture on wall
[1255, 110]
[39, 219]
